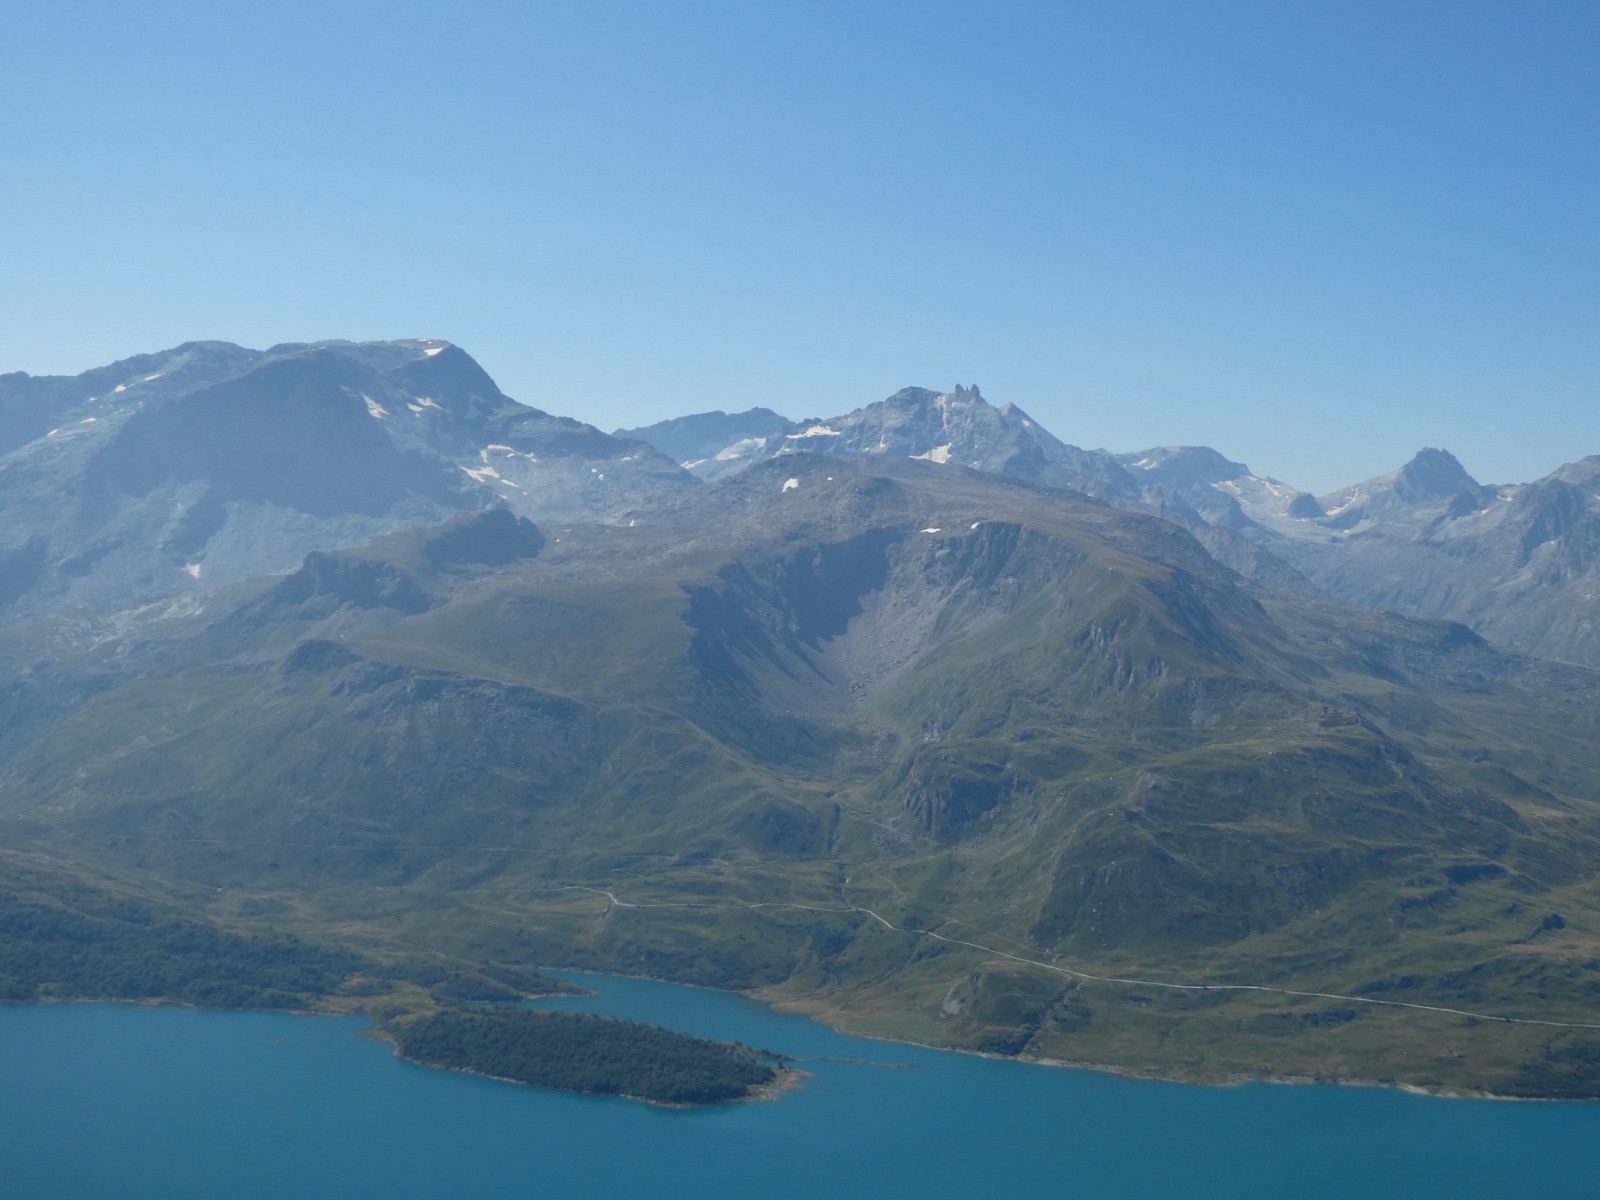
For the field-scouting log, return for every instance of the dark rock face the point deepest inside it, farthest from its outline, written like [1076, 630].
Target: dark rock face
[338, 580]
[488, 539]
[947, 794]
[778, 612]
[1305, 507]
[1432, 475]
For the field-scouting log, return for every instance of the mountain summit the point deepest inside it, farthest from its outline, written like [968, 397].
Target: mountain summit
[211, 463]
[1430, 476]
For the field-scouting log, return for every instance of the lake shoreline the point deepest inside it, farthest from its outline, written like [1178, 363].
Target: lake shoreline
[1151, 1074]
[186, 1105]
[1229, 1079]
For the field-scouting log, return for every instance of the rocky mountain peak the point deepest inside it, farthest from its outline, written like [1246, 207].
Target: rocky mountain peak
[1432, 475]
[960, 398]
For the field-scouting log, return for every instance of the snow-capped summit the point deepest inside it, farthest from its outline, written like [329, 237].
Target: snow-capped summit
[956, 427]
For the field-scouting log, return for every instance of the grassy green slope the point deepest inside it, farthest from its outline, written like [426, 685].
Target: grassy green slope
[913, 749]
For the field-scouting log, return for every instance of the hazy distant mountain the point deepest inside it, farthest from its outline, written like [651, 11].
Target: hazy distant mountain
[1398, 497]
[1521, 563]
[211, 463]
[961, 427]
[713, 444]
[1514, 563]
[1517, 563]
[1223, 493]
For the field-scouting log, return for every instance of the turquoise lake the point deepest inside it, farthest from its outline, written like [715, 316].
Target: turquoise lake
[127, 1102]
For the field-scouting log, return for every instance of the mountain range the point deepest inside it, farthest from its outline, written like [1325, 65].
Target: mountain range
[1516, 563]
[915, 718]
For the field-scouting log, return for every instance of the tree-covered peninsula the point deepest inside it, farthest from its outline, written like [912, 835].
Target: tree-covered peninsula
[73, 941]
[581, 1052]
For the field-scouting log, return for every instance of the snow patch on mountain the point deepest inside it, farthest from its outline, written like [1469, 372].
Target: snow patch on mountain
[739, 449]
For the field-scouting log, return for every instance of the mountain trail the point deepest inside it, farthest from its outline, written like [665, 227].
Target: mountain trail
[1090, 976]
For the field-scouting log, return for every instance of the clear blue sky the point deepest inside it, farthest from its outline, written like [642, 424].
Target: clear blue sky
[1314, 235]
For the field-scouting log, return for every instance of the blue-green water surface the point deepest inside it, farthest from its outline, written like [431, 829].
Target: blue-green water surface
[127, 1102]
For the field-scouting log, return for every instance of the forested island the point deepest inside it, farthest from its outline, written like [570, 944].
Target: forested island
[581, 1052]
